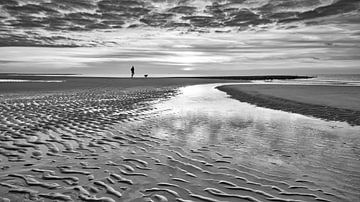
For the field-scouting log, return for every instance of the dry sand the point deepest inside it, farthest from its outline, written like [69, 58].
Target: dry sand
[337, 103]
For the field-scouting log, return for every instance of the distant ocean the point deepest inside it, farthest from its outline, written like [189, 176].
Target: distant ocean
[321, 79]
[341, 79]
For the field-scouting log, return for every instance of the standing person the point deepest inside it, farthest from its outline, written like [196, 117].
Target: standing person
[132, 71]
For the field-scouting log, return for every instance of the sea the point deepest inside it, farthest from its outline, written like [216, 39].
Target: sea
[321, 79]
[341, 79]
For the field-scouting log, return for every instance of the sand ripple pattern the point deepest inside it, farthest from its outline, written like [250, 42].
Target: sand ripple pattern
[53, 146]
[110, 146]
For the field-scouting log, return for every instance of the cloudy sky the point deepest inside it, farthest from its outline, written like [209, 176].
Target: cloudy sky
[180, 37]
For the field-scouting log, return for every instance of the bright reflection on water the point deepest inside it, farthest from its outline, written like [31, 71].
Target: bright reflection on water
[287, 145]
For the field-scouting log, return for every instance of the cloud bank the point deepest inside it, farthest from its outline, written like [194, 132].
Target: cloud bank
[178, 36]
[62, 22]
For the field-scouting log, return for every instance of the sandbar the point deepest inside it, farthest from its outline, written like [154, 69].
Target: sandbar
[337, 103]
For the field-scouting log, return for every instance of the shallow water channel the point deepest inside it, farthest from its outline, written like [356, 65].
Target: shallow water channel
[301, 151]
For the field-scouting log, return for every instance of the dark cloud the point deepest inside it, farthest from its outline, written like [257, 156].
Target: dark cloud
[29, 9]
[183, 10]
[339, 7]
[8, 3]
[275, 6]
[156, 19]
[71, 4]
[201, 21]
[194, 15]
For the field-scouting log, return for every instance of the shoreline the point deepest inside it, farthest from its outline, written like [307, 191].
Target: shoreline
[333, 103]
[64, 76]
[73, 83]
[49, 84]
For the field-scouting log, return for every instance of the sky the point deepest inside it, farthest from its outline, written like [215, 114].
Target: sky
[180, 37]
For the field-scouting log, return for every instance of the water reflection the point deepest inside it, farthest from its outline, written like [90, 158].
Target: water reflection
[287, 145]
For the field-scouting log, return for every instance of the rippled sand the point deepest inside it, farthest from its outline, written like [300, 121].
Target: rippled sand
[169, 144]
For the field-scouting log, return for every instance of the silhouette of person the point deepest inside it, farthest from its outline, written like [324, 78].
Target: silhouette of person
[132, 71]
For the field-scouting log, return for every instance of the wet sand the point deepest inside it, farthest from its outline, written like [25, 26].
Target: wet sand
[138, 141]
[83, 83]
[58, 140]
[336, 103]
[76, 82]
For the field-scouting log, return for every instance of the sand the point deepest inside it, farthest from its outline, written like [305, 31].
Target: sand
[75, 82]
[79, 83]
[93, 139]
[58, 140]
[337, 103]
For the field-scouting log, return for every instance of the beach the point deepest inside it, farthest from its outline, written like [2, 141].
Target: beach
[64, 83]
[336, 103]
[167, 139]
[179, 101]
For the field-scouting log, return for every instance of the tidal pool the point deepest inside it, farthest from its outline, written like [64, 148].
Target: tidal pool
[299, 150]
